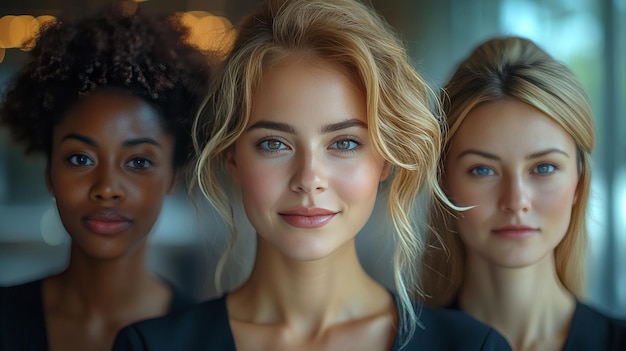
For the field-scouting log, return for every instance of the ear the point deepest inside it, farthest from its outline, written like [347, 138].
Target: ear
[231, 163]
[385, 172]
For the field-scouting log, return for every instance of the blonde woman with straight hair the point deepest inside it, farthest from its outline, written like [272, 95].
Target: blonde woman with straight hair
[517, 157]
[316, 108]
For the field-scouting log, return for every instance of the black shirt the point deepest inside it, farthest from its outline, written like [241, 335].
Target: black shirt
[22, 320]
[589, 330]
[592, 330]
[206, 327]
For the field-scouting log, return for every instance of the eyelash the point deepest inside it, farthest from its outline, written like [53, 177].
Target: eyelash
[145, 160]
[263, 147]
[473, 171]
[72, 160]
[349, 139]
[554, 168]
[260, 145]
[148, 163]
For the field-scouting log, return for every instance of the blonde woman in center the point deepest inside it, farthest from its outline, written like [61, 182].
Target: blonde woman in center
[317, 108]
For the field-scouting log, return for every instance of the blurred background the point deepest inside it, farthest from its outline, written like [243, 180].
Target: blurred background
[587, 35]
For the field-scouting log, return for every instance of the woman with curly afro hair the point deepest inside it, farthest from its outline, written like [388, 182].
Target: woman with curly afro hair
[110, 100]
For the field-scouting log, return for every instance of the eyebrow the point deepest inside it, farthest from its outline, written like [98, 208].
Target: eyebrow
[281, 127]
[139, 141]
[127, 143]
[529, 157]
[327, 128]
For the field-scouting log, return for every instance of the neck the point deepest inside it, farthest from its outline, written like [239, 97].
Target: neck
[102, 286]
[306, 293]
[525, 304]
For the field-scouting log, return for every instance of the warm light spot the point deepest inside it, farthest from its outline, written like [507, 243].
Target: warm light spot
[209, 32]
[189, 20]
[225, 22]
[228, 40]
[5, 39]
[19, 30]
[45, 19]
[199, 14]
[31, 30]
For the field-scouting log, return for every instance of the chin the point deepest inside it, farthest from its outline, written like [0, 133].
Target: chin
[514, 261]
[307, 254]
[308, 251]
[105, 251]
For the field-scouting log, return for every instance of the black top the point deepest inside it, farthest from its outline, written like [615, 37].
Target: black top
[22, 321]
[206, 327]
[590, 330]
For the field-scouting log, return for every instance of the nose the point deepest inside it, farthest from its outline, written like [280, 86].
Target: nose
[515, 195]
[107, 184]
[309, 173]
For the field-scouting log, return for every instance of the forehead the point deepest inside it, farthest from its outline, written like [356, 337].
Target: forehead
[302, 84]
[108, 112]
[510, 124]
[302, 62]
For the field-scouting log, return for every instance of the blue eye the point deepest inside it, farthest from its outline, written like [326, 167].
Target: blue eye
[345, 145]
[545, 168]
[482, 171]
[140, 163]
[80, 160]
[272, 145]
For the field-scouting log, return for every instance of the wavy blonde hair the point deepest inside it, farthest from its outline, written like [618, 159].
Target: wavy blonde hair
[501, 68]
[401, 123]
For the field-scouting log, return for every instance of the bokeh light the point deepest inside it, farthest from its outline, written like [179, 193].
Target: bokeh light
[207, 32]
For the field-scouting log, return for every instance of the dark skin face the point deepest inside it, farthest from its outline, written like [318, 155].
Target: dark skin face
[110, 170]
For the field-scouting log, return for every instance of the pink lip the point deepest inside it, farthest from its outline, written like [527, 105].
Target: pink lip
[307, 217]
[106, 222]
[515, 231]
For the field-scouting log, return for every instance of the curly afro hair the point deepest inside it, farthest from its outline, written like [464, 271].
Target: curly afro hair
[122, 48]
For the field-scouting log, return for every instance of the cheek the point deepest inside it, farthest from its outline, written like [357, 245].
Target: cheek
[260, 182]
[357, 183]
[474, 220]
[150, 192]
[465, 195]
[557, 202]
[66, 189]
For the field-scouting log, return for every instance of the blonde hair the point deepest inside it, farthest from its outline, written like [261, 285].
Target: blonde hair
[501, 68]
[402, 127]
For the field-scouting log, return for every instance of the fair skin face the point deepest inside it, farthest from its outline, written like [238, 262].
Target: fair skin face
[309, 175]
[519, 169]
[110, 170]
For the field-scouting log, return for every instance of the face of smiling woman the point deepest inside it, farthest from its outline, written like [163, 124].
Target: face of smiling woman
[519, 169]
[307, 168]
[110, 170]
